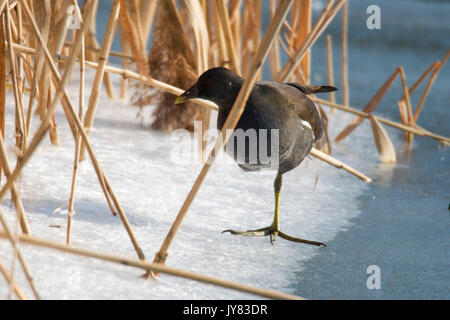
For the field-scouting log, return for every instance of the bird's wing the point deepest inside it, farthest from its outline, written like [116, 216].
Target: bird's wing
[293, 97]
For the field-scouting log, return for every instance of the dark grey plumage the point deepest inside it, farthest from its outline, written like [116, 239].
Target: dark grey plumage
[271, 105]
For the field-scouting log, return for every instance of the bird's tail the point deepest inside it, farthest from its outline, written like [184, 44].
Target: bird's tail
[317, 89]
[312, 89]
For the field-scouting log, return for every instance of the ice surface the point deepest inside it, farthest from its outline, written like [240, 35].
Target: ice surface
[151, 188]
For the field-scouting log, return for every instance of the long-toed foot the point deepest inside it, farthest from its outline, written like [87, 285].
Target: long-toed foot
[273, 232]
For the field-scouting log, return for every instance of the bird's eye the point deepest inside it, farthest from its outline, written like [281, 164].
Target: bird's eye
[208, 81]
[230, 83]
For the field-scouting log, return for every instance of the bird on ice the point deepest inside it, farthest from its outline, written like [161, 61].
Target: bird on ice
[283, 107]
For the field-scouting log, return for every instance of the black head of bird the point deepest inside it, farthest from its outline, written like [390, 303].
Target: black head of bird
[218, 85]
[283, 107]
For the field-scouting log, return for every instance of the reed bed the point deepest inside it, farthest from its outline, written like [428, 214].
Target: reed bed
[197, 35]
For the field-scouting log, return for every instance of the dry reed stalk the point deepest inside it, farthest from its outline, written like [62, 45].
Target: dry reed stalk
[382, 142]
[224, 21]
[2, 81]
[330, 68]
[344, 73]
[285, 73]
[15, 195]
[402, 104]
[19, 59]
[321, 23]
[420, 79]
[41, 131]
[274, 54]
[409, 136]
[147, 20]
[373, 103]
[230, 123]
[124, 83]
[236, 21]
[130, 18]
[12, 5]
[8, 85]
[324, 143]
[29, 75]
[121, 55]
[153, 267]
[197, 20]
[304, 28]
[128, 74]
[13, 268]
[13, 238]
[294, 25]
[438, 65]
[403, 115]
[62, 24]
[251, 34]
[19, 293]
[91, 41]
[103, 61]
[224, 60]
[71, 208]
[44, 17]
[200, 32]
[45, 124]
[19, 114]
[41, 83]
[338, 164]
[406, 128]
[33, 93]
[34, 79]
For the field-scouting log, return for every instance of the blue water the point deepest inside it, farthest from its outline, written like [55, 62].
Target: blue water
[405, 220]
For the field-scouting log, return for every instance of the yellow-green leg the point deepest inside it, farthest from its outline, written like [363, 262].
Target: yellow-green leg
[274, 229]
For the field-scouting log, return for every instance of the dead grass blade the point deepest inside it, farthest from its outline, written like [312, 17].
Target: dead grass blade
[131, 21]
[76, 160]
[304, 28]
[2, 83]
[15, 195]
[15, 244]
[344, 56]
[228, 35]
[19, 293]
[147, 20]
[338, 164]
[321, 23]
[437, 67]
[330, 68]
[103, 61]
[382, 142]
[21, 138]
